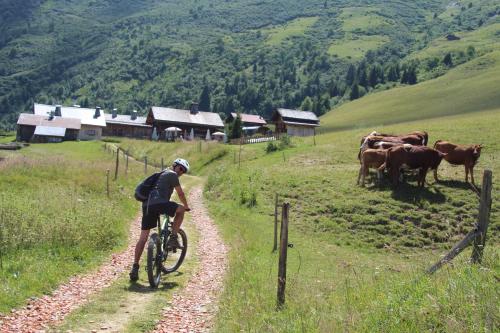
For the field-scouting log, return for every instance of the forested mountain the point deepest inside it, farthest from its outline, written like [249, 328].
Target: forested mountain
[245, 55]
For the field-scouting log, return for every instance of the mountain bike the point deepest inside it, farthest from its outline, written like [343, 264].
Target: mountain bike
[162, 258]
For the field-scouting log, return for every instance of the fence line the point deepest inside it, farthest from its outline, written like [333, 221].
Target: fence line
[478, 234]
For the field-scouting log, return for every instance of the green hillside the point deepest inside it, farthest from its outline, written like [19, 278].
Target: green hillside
[252, 55]
[471, 87]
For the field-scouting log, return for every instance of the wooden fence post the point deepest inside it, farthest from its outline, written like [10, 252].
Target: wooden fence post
[478, 234]
[484, 217]
[107, 182]
[283, 255]
[145, 165]
[126, 162]
[239, 155]
[314, 136]
[117, 163]
[275, 245]
[162, 165]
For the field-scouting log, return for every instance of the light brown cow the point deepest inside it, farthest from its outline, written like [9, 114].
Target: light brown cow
[411, 157]
[460, 155]
[371, 158]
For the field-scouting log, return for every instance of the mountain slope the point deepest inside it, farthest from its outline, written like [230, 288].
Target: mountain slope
[132, 54]
[470, 87]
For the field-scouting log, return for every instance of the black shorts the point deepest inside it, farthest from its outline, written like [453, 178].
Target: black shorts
[151, 213]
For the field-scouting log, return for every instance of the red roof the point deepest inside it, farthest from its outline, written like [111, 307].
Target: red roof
[251, 118]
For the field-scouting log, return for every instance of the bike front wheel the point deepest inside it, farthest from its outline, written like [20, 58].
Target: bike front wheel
[154, 261]
[175, 257]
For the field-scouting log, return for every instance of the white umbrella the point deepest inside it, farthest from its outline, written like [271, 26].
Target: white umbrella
[191, 136]
[173, 129]
[208, 137]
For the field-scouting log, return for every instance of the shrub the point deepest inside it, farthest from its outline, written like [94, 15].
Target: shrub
[271, 147]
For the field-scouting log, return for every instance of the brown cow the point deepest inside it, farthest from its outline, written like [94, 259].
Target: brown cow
[376, 140]
[371, 158]
[460, 155]
[412, 157]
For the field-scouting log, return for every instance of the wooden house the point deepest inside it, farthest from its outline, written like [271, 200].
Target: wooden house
[92, 120]
[295, 122]
[192, 123]
[48, 128]
[248, 120]
[131, 126]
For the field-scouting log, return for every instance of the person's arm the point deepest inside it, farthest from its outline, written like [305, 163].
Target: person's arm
[182, 197]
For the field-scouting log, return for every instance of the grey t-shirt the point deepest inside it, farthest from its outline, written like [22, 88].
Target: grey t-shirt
[166, 183]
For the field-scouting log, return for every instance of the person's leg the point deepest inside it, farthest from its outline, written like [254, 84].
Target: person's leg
[139, 247]
[149, 219]
[179, 217]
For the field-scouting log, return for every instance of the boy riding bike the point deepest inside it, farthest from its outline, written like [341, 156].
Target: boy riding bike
[159, 203]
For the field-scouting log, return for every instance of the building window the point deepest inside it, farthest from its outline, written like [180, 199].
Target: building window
[90, 132]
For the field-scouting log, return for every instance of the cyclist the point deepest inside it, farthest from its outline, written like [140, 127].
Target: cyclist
[159, 203]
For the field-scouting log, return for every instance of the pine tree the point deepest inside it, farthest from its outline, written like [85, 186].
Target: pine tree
[235, 128]
[354, 91]
[448, 60]
[307, 104]
[204, 103]
[351, 75]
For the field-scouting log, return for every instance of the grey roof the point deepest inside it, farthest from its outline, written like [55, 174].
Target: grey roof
[301, 123]
[185, 117]
[50, 131]
[29, 119]
[297, 114]
[124, 119]
[85, 115]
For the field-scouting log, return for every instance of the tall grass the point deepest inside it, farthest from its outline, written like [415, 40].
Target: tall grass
[55, 217]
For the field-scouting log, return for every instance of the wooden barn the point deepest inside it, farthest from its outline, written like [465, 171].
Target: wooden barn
[192, 123]
[131, 126]
[49, 128]
[295, 122]
[92, 120]
[248, 120]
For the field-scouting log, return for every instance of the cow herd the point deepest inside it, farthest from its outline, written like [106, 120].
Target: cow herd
[396, 153]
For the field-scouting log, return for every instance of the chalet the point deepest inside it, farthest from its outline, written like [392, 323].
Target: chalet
[295, 122]
[46, 128]
[251, 123]
[127, 125]
[92, 120]
[192, 123]
[248, 120]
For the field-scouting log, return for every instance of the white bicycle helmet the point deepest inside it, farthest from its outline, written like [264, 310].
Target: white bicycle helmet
[183, 162]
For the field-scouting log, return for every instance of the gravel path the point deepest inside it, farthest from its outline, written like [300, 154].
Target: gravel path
[193, 308]
[40, 313]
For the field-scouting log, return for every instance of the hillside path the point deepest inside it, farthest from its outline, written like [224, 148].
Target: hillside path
[193, 308]
[49, 310]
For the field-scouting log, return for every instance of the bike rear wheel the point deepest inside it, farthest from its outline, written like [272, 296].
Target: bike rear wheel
[154, 261]
[173, 260]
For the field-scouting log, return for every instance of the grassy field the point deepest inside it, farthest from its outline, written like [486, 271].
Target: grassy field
[55, 217]
[356, 46]
[296, 27]
[360, 253]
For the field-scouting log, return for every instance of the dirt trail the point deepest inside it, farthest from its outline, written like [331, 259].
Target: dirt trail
[49, 310]
[193, 308]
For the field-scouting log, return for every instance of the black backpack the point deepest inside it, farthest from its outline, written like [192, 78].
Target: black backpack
[143, 190]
